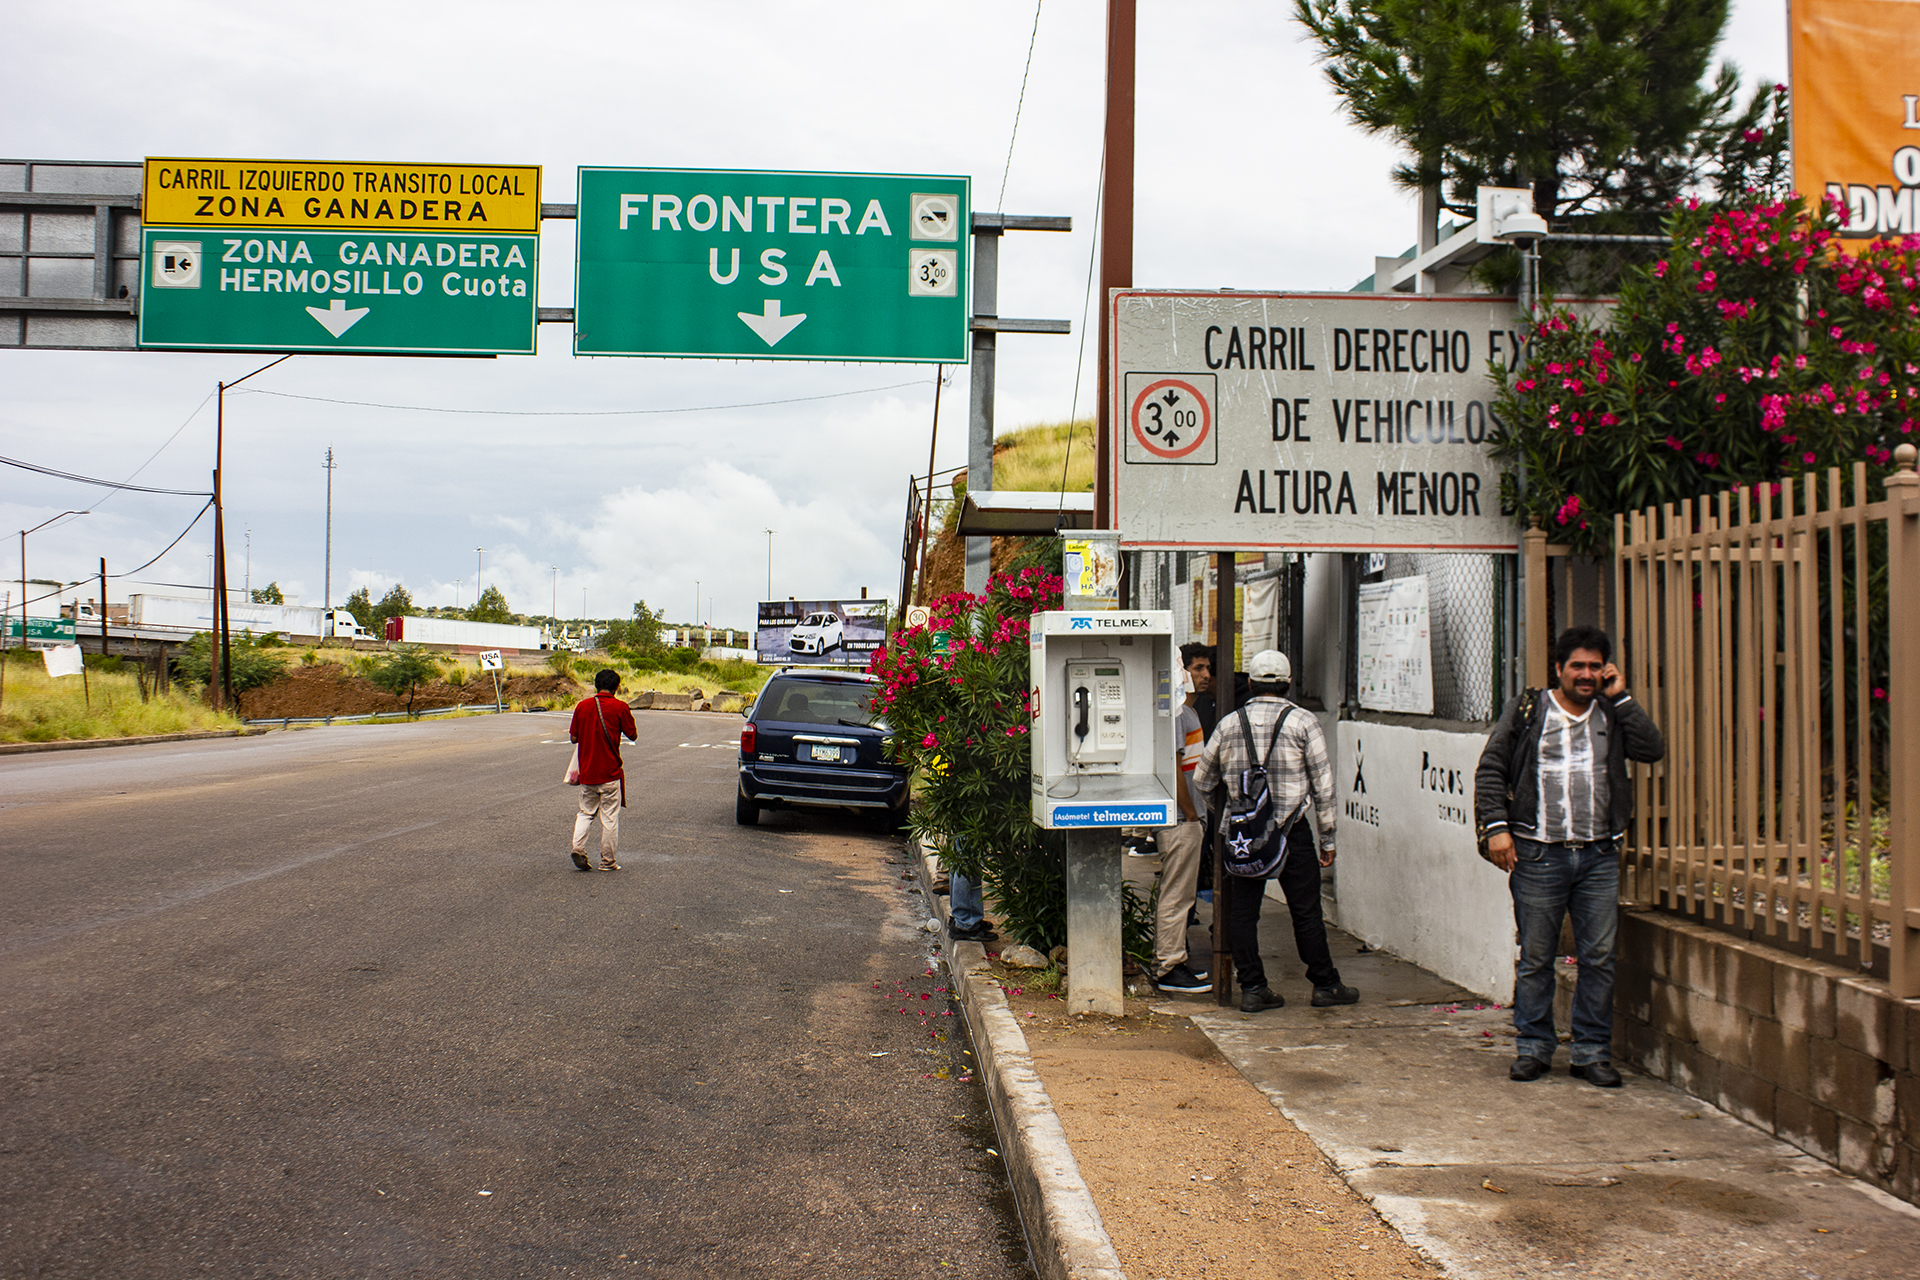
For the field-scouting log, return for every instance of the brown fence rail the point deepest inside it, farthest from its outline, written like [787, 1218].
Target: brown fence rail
[1775, 635]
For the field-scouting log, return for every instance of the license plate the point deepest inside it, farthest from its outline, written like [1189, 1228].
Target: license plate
[829, 755]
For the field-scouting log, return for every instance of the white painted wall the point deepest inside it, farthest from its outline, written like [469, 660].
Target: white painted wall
[1408, 878]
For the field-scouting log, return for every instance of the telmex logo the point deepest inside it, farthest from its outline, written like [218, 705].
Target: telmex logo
[1081, 624]
[1084, 622]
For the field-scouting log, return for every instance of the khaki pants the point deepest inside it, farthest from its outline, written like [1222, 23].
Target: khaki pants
[1180, 847]
[604, 800]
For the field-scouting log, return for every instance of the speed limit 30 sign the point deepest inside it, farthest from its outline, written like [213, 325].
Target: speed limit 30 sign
[1170, 419]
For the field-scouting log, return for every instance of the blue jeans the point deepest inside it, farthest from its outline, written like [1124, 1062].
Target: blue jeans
[1549, 882]
[964, 897]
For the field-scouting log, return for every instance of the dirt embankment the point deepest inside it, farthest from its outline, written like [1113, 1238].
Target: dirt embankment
[329, 690]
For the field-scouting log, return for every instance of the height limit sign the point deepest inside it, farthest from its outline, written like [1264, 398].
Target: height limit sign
[1170, 419]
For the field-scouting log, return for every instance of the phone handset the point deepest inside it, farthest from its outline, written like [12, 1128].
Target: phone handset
[1098, 731]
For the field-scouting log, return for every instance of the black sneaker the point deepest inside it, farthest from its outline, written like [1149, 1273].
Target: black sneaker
[1526, 1067]
[1260, 999]
[1181, 978]
[1325, 997]
[982, 932]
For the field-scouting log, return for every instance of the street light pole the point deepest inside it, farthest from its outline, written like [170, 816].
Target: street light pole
[326, 591]
[770, 534]
[23, 566]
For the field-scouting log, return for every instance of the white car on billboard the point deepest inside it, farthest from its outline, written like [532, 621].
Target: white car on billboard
[817, 633]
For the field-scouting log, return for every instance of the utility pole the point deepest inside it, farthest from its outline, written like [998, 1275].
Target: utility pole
[926, 511]
[248, 580]
[220, 674]
[770, 534]
[103, 608]
[479, 559]
[326, 592]
[553, 611]
[1116, 234]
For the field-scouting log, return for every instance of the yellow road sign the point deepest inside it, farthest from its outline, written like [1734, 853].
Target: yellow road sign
[341, 196]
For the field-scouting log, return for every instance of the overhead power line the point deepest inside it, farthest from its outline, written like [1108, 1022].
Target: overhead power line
[105, 484]
[61, 590]
[582, 413]
[1018, 106]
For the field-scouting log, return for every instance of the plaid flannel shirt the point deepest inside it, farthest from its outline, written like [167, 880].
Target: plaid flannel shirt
[1298, 767]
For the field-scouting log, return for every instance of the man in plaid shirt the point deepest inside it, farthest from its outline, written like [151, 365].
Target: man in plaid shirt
[1297, 769]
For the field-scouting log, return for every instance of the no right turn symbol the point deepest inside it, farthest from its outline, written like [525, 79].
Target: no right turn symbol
[1170, 419]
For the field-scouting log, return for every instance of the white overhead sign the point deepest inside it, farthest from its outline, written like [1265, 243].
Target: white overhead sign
[1326, 421]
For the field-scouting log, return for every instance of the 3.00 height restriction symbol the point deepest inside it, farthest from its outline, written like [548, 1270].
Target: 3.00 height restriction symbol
[1170, 420]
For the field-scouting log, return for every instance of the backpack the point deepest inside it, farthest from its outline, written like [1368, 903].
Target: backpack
[1254, 836]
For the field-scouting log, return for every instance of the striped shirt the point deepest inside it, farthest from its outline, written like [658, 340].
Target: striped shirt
[1572, 776]
[1297, 769]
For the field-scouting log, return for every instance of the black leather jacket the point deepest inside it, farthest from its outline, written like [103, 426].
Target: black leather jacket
[1502, 794]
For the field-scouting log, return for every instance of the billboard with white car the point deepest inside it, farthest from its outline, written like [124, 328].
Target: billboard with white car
[817, 633]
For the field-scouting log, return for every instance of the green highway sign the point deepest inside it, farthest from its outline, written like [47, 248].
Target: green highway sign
[763, 265]
[252, 289]
[55, 629]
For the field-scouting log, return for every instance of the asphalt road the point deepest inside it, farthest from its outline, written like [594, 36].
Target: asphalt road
[335, 1003]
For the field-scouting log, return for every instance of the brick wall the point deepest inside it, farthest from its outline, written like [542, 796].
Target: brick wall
[1817, 1055]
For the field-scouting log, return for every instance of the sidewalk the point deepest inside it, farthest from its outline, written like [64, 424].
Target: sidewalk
[1407, 1095]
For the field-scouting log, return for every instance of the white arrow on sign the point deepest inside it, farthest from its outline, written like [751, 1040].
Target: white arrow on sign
[337, 319]
[769, 324]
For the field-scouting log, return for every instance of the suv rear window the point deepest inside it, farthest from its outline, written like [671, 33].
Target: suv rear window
[818, 702]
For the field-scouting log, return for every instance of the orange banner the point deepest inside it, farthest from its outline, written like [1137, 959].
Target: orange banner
[1856, 111]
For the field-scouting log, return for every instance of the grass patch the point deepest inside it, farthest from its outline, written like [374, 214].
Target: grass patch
[35, 707]
[1030, 458]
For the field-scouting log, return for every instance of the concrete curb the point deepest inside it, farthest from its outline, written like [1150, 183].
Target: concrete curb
[1064, 1232]
[84, 744]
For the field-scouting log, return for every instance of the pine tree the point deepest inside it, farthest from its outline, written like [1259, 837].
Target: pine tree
[1597, 105]
[397, 603]
[490, 607]
[360, 605]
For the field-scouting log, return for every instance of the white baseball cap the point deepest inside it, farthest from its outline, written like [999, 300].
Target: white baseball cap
[1269, 666]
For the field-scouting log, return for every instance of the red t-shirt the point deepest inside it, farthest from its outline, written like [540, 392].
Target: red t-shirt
[600, 748]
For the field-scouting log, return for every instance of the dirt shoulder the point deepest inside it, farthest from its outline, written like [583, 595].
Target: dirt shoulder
[326, 689]
[1195, 1173]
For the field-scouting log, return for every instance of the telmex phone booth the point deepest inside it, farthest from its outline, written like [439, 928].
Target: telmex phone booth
[1102, 744]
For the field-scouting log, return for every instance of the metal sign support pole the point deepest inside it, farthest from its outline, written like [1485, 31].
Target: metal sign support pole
[497, 705]
[1223, 705]
[986, 302]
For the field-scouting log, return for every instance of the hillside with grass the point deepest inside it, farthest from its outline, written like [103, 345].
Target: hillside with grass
[1032, 459]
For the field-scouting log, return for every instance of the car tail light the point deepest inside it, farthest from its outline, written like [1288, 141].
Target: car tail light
[749, 739]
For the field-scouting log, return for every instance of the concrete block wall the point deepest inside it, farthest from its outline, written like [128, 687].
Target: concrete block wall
[1815, 1054]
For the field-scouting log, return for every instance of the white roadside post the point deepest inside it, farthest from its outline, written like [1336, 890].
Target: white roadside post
[1102, 759]
[492, 661]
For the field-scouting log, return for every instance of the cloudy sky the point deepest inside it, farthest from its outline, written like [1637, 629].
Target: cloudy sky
[1247, 177]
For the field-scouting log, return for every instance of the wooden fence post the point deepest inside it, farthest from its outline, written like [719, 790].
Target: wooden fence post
[1903, 705]
[1533, 544]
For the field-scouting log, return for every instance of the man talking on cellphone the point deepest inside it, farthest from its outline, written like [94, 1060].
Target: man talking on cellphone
[1552, 799]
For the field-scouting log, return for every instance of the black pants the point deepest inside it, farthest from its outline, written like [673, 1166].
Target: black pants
[1300, 881]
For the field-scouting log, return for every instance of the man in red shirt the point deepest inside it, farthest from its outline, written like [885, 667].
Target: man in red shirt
[598, 723]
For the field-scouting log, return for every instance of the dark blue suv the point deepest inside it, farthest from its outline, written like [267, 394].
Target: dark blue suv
[811, 741]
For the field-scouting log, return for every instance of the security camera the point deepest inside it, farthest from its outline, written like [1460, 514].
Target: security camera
[1521, 228]
[1506, 216]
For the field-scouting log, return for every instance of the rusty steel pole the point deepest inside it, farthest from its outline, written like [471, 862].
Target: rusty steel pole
[1116, 236]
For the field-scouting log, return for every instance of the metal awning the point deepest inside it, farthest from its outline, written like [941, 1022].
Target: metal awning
[1025, 512]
